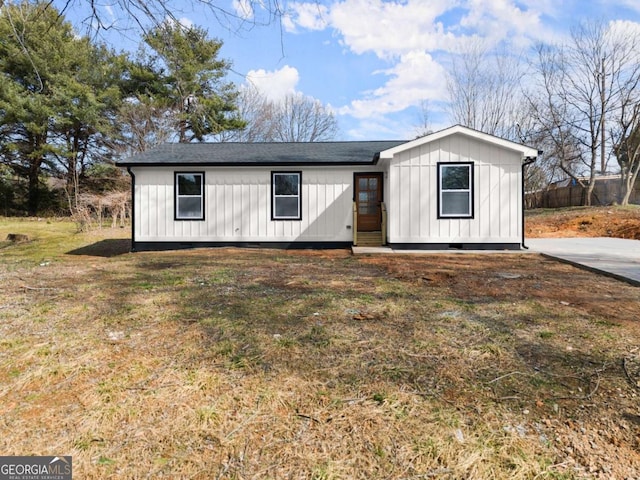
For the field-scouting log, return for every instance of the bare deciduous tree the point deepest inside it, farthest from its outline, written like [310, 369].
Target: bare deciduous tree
[424, 126]
[626, 147]
[484, 88]
[146, 14]
[582, 87]
[253, 108]
[144, 124]
[299, 118]
[625, 131]
[552, 130]
[295, 118]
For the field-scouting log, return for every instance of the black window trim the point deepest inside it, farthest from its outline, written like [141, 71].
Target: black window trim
[273, 195]
[175, 197]
[471, 191]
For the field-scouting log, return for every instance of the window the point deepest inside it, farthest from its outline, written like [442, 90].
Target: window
[455, 190]
[285, 193]
[189, 189]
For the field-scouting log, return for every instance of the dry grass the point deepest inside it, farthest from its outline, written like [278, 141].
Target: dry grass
[274, 364]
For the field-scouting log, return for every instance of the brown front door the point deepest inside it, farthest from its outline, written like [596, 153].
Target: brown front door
[368, 201]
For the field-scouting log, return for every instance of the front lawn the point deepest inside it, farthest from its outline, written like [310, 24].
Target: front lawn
[228, 363]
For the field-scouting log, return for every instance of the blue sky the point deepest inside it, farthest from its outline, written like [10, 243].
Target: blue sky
[373, 61]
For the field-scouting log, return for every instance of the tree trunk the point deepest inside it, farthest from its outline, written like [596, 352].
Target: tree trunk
[35, 158]
[183, 132]
[589, 193]
[626, 194]
[72, 183]
[592, 175]
[34, 187]
[628, 182]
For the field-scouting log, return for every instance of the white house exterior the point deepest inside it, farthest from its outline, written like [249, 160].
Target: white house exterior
[457, 188]
[495, 213]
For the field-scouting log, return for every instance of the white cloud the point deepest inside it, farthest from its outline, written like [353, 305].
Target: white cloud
[244, 9]
[403, 127]
[377, 128]
[309, 16]
[276, 84]
[414, 78]
[413, 36]
[185, 22]
[405, 33]
[496, 20]
[393, 28]
[390, 28]
[630, 4]
[624, 29]
[621, 36]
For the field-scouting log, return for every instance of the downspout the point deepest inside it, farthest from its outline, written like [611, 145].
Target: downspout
[133, 209]
[527, 161]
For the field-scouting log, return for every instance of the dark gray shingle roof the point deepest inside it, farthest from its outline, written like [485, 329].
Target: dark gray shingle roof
[247, 154]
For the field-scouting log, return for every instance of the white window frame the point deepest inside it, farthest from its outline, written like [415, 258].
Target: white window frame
[178, 196]
[470, 211]
[275, 197]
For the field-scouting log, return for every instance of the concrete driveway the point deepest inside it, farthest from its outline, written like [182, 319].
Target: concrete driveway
[616, 257]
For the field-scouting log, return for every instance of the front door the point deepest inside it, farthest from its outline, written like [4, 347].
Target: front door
[369, 201]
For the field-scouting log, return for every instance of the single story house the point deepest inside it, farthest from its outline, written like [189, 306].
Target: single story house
[455, 188]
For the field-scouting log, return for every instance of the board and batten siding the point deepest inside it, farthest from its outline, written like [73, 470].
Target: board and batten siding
[412, 189]
[237, 206]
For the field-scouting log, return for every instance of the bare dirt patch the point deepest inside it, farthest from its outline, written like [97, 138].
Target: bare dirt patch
[226, 363]
[620, 222]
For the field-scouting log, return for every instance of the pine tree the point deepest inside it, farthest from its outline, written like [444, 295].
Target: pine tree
[59, 94]
[201, 102]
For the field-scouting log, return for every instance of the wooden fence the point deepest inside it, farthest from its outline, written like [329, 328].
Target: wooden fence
[605, 192]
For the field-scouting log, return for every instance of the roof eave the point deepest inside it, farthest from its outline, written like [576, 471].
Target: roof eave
[374, 161]
[508, 144]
